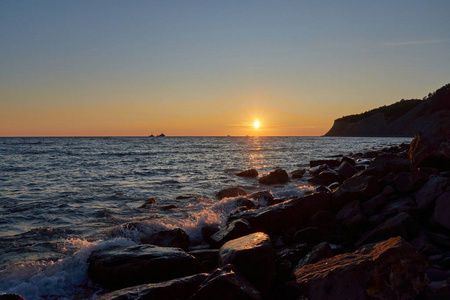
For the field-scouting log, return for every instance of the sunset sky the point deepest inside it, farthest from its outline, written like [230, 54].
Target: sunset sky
[115, 68]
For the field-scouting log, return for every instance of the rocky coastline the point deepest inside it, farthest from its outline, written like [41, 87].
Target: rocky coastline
[377, 226]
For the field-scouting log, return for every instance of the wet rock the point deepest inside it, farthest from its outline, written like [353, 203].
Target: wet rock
[319, 252]
[389, 270]
[332, 163]
[169, 206]
[322, 189]
[351, 218]
[442, 210]
[168, 238]
[309, 235]
[430, 150]
[346, 170]
[248, 173]
[226, 284]
[349, 160]
[148, 203]
[233, 230]
[400, 225]
[318, 169]
[334, 186]
[427, 195]
[254, 257]
[209, 230]
[208, 258]
[181, 288]
[326, 177]
[298, 173]
[231, 192]
[264, 197]
[279, 176]
[291, 213]
[356, 188]
[121, 267]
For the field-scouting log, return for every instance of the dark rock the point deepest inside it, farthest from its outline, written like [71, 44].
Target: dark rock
[318, 169]
[351, 217]
[169, 206]
[291, 213]
[349, 160]
[208, 231]
[403, 204]
[233, 230]
[298, 173]
[168, 238]
[332, 163]
[346, 170]
[265, 198]
[231, 192]
[435, 274]
[254, 257]
[436, 291]
[373, 205]
[400, 225]
[244, 202]
[326, 177]
[208, 258]
[442, 210]
[428, 170]
[356, 188]
[11, 297]
[121, 267]
[334, 186]
[387, 163]
[408, 181]
[427, 195]
[279, 176]
[292, 253]
[389, 270]
[430, 150]
[148, 202]
[181, 288]
[323, 220]
[248, 173]
[319, 252]
[322, 189]
[370, 154]
[309, 235]
[226, 284]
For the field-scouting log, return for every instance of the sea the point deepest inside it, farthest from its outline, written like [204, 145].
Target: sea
[63, 197]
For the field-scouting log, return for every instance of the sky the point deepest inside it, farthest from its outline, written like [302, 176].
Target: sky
[212, 68]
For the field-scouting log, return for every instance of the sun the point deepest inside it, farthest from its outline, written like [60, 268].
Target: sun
[256, 124]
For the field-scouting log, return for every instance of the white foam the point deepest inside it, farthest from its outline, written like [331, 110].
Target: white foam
[62, 279]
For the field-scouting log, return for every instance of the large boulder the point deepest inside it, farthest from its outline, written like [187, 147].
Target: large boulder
[326, 177]
[262, 197]
[389, 270]
[168, 238]
[254, 257]
[351, 218]
[406, 182]
[248, 173]
[231, 192]
[359, 187]
[442, 210]
[225, 283]
[346, 169]
[279, 176]
[427, 195]
[120, 267]
[233, 230]
[181, 288]
[430, 150]
[290, 213]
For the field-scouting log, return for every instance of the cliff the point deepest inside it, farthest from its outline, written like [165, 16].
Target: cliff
[403, 118]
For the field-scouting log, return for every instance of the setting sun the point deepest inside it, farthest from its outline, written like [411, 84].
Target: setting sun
[256, 124]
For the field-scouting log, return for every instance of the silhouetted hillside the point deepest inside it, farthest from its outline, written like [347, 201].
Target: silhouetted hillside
[403, 118]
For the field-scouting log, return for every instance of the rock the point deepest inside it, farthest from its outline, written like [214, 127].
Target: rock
[402, 204]
[387, 163]
[406, 182]
[248, 173]
[317, 169]
[442, 210]
[264, 197]
[233, 230]
[334, 186]
[292, 253]
[254, 257]
[322, 189]
[231, 192]
[168, 238]
[400, 225]
[389, 270]
[169, 206]
[226, 284]
[309, 235]
[148, 202]
[373, 205]
[11, 297]
[346, 170]
[208, 258]
[326, 177]
[279, 176]
[291, 213]
[319, 252]
[351, 217]
[244, 202]
[430, 150]
[120, 267]
[349, 160]
[356, 188]
[332, 163]
[298, 173]
[181, 288]
[323, 220]
[209, 230]
[427, 195]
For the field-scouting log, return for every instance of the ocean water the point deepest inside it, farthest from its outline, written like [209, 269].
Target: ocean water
[62, 198]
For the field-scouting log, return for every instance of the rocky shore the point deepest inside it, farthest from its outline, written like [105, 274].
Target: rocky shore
[377, 226]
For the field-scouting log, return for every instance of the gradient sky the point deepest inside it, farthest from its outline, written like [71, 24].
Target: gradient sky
[83, 68]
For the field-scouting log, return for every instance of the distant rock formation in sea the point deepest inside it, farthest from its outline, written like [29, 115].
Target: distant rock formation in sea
[403, 118]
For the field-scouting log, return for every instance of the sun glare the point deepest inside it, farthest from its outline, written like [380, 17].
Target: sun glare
[256, 124]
